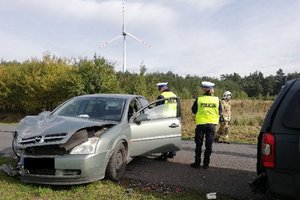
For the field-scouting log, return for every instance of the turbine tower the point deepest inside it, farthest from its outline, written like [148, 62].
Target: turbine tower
[124, 34]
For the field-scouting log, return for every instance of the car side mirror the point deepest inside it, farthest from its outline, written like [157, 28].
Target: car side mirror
[44, 114]
[141, 117]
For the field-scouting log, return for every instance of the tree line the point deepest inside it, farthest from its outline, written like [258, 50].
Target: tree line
[42, 84]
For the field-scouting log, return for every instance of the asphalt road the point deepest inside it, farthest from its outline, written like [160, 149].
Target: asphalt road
[5, 139]
[232, 167]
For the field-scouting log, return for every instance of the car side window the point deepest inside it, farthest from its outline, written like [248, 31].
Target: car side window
[133, 108]
[143, 102]
[159, 110]
[156, 112]
[164, 108]
[291, 115]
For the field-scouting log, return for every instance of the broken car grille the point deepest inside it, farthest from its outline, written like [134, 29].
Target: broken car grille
[43, 139]
[45, 150]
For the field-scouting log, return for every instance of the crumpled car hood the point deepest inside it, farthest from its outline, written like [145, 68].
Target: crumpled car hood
[40, 125]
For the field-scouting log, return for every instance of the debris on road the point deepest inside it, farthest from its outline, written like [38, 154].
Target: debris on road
[132, 185]
[212, 195]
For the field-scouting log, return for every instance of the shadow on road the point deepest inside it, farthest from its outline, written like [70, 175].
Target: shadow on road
[227, 182]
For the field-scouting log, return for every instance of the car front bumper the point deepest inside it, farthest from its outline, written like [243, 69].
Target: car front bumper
[63, 170]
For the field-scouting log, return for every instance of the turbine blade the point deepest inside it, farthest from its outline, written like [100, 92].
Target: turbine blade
[106, 43]
[123, 14]
[137, 39]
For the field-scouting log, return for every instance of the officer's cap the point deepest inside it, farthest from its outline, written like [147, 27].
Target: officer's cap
[207, 84]
[162, 84]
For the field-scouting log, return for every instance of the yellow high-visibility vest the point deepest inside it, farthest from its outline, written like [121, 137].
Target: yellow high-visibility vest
[208, 110]
[169, 106]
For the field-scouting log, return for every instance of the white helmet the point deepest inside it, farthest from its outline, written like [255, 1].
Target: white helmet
[227, 95]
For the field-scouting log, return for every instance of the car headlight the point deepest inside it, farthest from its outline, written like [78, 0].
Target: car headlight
[88, 147]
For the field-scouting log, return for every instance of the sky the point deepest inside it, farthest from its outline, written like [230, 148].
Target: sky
[186, 37]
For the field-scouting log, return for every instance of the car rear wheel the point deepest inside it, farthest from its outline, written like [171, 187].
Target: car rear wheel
[117, 164]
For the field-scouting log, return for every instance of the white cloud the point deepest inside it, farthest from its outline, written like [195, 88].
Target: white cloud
[17, 49]
[201, 37]
[78, 9]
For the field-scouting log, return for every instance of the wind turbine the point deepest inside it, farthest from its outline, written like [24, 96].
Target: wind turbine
[124, 34]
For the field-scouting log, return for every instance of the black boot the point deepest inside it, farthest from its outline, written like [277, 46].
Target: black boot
[195, 165]
[172, 154]
[205, 166]
[206, 163]
[163, 157]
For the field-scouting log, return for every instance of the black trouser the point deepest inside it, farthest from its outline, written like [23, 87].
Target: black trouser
[207, 131]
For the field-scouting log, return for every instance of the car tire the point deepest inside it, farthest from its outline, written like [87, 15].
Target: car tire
[117, 163]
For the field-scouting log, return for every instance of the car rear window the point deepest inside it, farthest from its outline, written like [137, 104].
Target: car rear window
[291, 117]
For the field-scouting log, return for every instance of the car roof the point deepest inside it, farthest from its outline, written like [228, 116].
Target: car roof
[112, 95]
[277, 102]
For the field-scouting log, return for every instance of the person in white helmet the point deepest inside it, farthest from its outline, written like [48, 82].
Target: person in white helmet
[223, 131]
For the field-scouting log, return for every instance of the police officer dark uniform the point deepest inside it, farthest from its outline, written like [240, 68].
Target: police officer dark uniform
[207, 109]
[165, 93]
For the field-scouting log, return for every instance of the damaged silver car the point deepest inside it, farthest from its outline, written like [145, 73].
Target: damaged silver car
[90, 137]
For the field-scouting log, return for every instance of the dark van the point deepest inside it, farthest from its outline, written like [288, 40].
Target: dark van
[278, 147]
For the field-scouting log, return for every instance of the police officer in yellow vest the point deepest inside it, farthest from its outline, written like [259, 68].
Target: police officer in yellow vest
[207, 110]
[170, 108]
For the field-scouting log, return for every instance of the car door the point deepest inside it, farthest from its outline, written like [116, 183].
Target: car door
[154, 129]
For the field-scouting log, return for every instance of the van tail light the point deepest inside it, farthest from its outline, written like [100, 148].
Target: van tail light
[268, 150]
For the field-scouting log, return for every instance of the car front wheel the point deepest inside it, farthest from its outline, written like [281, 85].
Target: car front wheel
[117, 163]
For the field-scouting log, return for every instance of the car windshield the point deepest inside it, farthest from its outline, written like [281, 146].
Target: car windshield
[100, 108]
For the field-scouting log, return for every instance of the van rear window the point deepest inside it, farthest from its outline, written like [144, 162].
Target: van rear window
[291, 117]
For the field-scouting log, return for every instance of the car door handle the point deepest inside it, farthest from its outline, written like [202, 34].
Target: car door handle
[174, 125]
